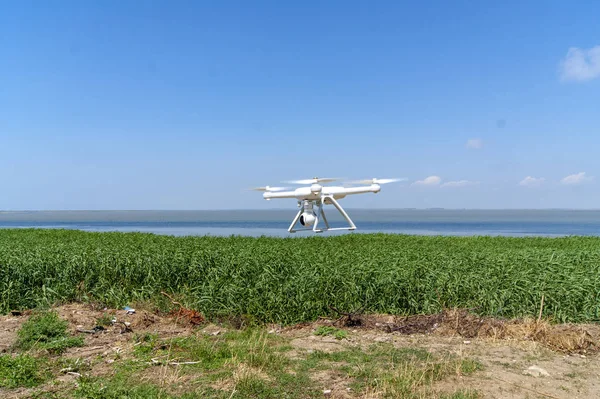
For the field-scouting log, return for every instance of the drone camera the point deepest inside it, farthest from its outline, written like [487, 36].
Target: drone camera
[307, 218]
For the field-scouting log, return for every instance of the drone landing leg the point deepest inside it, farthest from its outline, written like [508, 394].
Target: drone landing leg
[323, 215]
[344, 214]
[317, 219]
[314, 229]
[291, 229]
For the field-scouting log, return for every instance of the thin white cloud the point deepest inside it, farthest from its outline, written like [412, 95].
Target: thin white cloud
[475, 143]
[428, 181]
[577, 178]
[532, 181]
[581, 64]
[460, 183]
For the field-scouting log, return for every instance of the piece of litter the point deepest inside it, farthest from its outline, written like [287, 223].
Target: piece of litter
[92, 331]
[327, 392]
[129, 310]
[466, 342]
[536, 371]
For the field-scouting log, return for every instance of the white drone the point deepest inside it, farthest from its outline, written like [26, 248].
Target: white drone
[319, 195]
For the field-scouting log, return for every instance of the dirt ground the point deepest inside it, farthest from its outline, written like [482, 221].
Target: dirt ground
[520, 360]
[506, 363]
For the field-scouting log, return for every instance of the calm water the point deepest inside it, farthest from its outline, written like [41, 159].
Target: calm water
[276, 222]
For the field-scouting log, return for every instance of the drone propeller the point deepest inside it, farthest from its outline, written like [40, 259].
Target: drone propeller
[267, 188]
[377, 181]
[313, 180]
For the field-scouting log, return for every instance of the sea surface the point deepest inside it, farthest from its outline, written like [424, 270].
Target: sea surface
[552, 223]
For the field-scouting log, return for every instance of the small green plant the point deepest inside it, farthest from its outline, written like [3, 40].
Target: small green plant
[328, 330]
[76, 365]
[469, 366]
[340, 334]
[462, 394]
[118, 387]
[145, 344]
[46, 330]
[105, 320]
[21, 371]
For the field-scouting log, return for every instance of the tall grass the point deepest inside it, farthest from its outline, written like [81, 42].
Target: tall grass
[288, 280]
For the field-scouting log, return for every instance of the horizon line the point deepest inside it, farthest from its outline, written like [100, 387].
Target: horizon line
[291, 209]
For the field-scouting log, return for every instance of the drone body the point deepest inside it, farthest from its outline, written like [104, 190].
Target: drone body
[316, 196]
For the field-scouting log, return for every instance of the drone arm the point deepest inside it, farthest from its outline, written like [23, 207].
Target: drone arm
[299, 193]
[373, 188]
[283, 194]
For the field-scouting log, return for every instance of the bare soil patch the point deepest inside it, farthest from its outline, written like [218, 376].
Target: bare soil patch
[565, 338]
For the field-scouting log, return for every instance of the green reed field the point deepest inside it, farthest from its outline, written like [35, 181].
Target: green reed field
[288, 280]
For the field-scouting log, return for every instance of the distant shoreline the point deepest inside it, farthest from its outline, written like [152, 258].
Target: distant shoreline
[522, 222]
[288, 208]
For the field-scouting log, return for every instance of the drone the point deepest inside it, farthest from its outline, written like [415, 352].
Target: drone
[316, 195]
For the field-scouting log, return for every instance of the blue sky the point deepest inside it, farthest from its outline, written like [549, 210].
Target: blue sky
[185, 104]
